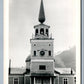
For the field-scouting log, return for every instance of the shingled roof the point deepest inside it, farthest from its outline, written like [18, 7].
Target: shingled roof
[65, 70]
[17, 71]
[56, 70]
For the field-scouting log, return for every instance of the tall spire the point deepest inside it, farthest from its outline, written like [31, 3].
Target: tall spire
[41, 13]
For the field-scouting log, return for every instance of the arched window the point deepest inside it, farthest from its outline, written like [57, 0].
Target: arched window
[36, 31]
[34, 53]
[49, 52]
[42, 31]
[47, 32]
[65, 81]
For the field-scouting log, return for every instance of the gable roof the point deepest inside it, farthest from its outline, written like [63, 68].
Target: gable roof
[17, 71]
[56, 71]
[64, 70]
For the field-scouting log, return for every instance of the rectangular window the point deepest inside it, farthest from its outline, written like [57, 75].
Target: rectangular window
[36, 31]
[49, 53]
[47, 32]
[16, 81]
[34, 53]
[42, 67]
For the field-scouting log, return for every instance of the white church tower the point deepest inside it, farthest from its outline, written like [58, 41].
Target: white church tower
[40, 67]
[42, 62]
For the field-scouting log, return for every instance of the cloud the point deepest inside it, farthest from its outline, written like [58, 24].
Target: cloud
[23, 15]
[59, 62]
[66, 58]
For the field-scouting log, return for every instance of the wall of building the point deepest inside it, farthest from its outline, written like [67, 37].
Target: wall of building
[26, 79]
[20, 79]
[10, 80]
[70, 79]
[27, 65]
[49, 67]
[56, 80]
[38, 45]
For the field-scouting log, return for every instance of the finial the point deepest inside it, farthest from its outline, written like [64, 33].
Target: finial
[9, 66]
[71, 71]
[41, 13]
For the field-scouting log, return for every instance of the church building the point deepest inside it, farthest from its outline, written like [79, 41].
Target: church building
[40, 67]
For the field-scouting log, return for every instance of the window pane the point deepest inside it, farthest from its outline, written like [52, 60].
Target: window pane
[36, 31]
[42, 67]
[65, 81]
[46, 81]
[49, 53]
[74, 79]
[38, 81]
[42, 31]
[16, 81]
[34, 53]
[47, 32]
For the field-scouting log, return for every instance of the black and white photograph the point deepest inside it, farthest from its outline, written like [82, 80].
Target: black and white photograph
[44, 42]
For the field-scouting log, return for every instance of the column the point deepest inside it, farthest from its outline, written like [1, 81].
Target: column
[34, 80]
[38, 31]
[50, 80]
[54, 80]
[30, 80]
[44, 31]
[24, 79]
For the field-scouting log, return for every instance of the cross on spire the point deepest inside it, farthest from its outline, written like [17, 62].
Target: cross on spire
[41, 13]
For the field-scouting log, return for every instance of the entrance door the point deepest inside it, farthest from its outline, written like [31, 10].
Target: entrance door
[38, 81]
[42, 81]
[46, 81]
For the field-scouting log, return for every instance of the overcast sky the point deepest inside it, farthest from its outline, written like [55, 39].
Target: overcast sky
[23, 15]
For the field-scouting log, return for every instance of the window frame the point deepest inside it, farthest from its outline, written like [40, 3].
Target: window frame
[42, 67]
[49, 52]
[41, 30]
[36, 31]
[75, 80]
[15, 78]
[47, 31]
[34, 53]
[65, 81]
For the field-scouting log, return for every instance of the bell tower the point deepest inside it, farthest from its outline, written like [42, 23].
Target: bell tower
[42, 62]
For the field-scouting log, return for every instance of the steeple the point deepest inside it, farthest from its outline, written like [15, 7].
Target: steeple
[41, 13]
[41, 30]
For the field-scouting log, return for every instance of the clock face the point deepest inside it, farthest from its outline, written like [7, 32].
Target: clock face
[42, 53]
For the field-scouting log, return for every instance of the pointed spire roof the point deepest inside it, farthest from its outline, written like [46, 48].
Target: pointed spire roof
[41, 13]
